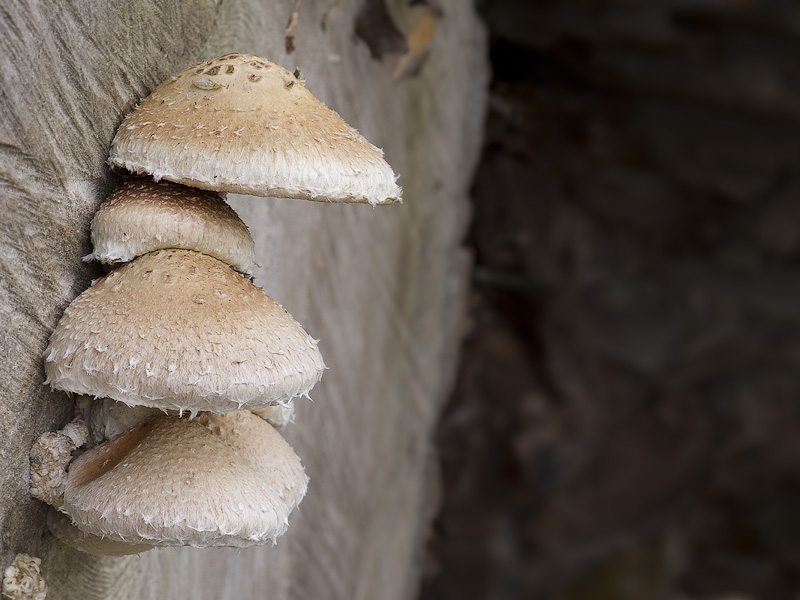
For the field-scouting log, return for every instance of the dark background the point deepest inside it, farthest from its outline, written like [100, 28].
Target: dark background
[626, 421]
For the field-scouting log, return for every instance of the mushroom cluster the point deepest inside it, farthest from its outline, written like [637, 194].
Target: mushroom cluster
[190, 364]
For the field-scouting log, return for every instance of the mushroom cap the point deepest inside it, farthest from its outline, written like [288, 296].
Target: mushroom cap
[179, 330]
[240, 123]
[172, 481]
[141, 216]
[258, 441]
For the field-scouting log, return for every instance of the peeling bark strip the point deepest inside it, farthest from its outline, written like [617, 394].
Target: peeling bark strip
[354, 276]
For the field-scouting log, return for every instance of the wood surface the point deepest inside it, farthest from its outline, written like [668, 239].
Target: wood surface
[382, 288]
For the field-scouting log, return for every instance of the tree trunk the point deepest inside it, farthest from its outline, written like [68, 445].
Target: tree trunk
[382, 288]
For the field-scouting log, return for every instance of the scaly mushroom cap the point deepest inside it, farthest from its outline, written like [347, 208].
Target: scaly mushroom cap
[141, 216]
[240, 123]
[170, 481]
[179, 330]
[257, 440]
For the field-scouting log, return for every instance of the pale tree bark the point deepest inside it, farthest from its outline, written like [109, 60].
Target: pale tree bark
[382, 288]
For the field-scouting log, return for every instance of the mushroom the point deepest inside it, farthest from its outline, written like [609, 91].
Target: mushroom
[217, 480]
[141, 216]
[240, 123]
[180, 330]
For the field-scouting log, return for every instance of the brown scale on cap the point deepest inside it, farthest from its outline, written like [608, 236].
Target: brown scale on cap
[179, 330]
[242, 124]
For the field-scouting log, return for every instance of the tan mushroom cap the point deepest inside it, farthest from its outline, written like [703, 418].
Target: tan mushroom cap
[173, 481]
[179, 330]
[141, 216]
[240, 123]
[258, 441]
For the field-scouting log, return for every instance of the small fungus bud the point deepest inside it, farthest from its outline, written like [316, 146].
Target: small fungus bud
[50, 456]
[23, 579]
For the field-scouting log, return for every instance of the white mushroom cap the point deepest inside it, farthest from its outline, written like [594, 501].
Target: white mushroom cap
[179, 330]
[240, 123]
[141, 216]
[173, 481]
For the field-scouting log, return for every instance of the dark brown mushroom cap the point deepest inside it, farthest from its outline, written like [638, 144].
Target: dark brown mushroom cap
[141, 216]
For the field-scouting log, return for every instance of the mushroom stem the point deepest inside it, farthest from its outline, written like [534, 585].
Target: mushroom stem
[62, 527]
[108, 418]
[278, 415]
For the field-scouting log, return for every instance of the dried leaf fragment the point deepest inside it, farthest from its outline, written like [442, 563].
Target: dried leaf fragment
[419, 42]
[291, 26]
